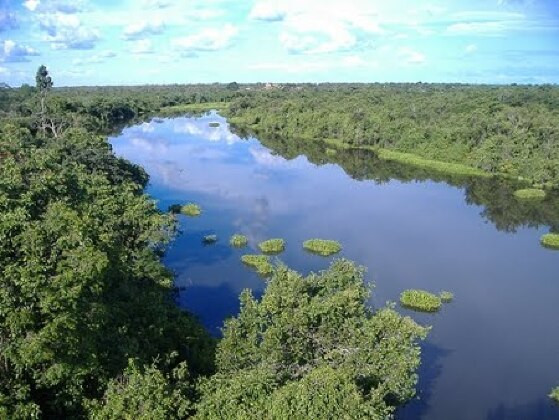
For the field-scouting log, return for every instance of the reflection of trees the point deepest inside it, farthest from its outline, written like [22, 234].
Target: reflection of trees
[495, 195]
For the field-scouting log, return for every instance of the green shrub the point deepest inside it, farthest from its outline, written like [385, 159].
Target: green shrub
[191, 210]
[530, 194]
[175, 208]
[554, 394]
[550, 240]
[260, 262]
[209, 239]
[238, 241]
[446, 296]
[272, 246]
[420, 300]
[322, 247]
[214, 124]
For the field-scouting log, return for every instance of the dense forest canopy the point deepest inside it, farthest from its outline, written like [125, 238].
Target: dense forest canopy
[88, 324]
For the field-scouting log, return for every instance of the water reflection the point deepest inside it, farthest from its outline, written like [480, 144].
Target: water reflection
[495, 346]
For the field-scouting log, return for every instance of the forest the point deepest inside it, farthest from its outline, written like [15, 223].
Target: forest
[89, 327]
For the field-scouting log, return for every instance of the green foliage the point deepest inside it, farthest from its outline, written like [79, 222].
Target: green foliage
[272, 246]
[530, 194]
[191, 210]
[260, 262]
[312, 348]
[550, 240]
[446, 297]
[420, 300]
[322, 246]
[214, 124]
[175, 208]
[238, 240]
[146, 394]
[209, 239]
[554, 394]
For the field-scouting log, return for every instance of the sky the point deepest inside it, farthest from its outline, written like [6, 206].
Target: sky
[129, 42]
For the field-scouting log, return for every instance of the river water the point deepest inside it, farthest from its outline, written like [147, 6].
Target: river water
[493, 353]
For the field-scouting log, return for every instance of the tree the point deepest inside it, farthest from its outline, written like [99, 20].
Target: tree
[47, 122]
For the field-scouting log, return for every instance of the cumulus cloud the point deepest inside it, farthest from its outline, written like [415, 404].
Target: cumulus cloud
[411, 56]
[31, 5]
[320, 26]
[209, 39]
[65, 31]
[142, 46]
[94, 59]
[142, 29]
[14, 52]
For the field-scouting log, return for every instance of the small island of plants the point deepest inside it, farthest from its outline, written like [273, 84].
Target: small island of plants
[530, 194]
[238, 241]
[209, 239]
[260, 262]
[214, 124]
[446, 297]
[322, 247]
[554, 394]
[272, 246]
[420, 300]
[191, 210]
[550, 240]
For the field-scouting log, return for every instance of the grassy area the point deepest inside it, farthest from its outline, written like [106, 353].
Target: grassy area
[238, 240]
[530, 194]
[554, 394]
[446, 296]
[272, 246]
[260, 262]
[550, 240]
[322, 247]
[192, 108]
[191, 210]
[420, 300]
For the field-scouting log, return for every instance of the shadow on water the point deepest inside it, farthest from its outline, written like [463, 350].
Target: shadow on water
[430, 369]
[541, 409]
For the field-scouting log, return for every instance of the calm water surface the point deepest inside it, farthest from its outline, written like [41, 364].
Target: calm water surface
[493, 353]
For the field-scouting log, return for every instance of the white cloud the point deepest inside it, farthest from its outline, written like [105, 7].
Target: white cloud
[320, 26]
[4, 71]
[141, 29]
[470, 49]
[65, 31]
[94, 59]
[7, 20]
[477, 28]
[310, 66]
[209, 39]
[142, 46]
[157, 4]
[14, 52]
[31, 5]
[411, 56]
[268, 11]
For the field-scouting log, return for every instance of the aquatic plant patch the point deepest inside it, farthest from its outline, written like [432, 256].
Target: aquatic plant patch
[420, 300]
[238, 240]
[530, 194]
[191, 210]
[214, 124]
[272, 246]
[554, 394]
[260, 262]
[446, 296]
[209, 239]
[322, 246]
[550, 240]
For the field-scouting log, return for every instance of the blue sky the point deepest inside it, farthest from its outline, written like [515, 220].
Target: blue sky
[88, 42]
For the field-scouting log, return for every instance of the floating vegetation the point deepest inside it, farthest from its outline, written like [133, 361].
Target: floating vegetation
[446, 296]
[530, 194]
[550, 240]
[175, 208]
[554, 394]
[322, 246]
[191, 210]
[272, 246]
[420, 300]
[238, 240]
[260, 262]
[209, 239]
[214, 124]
